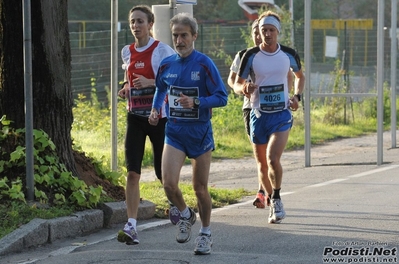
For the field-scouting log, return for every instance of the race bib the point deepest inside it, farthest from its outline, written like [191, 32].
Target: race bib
[272, 98]
[175, 109]
[140, 101]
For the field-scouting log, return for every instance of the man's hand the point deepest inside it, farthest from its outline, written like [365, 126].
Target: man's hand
[294, 104]
[153, 118]
[186, 101]
[249, 88]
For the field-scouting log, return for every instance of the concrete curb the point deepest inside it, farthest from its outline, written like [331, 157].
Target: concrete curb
[40, 231]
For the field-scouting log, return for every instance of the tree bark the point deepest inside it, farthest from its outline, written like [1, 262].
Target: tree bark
[51, 71]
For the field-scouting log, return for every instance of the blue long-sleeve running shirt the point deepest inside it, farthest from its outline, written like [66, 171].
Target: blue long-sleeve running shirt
[196, 76]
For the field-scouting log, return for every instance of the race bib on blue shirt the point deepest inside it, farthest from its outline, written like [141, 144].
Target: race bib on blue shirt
[175, 109]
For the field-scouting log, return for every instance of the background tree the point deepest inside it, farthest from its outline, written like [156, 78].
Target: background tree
[51, 71]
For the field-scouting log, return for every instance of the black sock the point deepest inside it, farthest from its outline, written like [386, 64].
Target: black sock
[262, 192]
[276, 194]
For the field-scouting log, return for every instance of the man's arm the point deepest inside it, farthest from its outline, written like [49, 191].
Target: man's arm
[299, 82]
[231, 79]
[298, 90]
[233, 69]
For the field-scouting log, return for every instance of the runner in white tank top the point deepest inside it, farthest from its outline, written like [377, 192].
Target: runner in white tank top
[268, 65]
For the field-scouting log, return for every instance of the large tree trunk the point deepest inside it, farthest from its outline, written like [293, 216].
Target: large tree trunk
[51, 71]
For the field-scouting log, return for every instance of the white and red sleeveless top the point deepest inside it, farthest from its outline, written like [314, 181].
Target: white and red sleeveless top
[143, 61]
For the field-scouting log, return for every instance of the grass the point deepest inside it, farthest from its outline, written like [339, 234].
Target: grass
[154, 192]
[15, 214]
[230, 138]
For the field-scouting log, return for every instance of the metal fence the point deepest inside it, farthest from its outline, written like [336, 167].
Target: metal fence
[354, 45]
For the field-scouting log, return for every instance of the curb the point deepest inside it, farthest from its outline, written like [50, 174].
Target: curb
[41, 231]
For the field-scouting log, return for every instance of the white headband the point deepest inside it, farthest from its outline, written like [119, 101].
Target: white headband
[270, 20]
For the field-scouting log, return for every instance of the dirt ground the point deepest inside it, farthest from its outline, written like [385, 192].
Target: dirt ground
[88, 174]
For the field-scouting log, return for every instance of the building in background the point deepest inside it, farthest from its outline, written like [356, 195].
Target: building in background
[251, 7]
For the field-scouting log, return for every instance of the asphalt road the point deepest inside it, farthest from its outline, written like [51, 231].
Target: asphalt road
[342, 209]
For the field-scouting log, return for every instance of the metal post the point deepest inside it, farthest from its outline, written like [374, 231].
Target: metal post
[27, 35]
[394, 52]
[308, 14]
[380, 81]
[114, 84]
[291, 3]
[172, 4]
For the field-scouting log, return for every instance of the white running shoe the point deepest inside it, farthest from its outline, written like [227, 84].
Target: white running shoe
[203, 244]
[185, 225]
[277, 212]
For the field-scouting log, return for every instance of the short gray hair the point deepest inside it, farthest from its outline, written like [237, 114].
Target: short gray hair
[185, 19]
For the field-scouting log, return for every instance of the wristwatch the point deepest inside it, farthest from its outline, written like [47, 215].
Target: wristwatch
[298, 96]
[196, 102]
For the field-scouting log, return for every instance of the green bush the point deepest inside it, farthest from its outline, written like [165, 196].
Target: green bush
[53, 184]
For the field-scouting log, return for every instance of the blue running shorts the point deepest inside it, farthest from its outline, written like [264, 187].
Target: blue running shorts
[192, 139]
[268, 123]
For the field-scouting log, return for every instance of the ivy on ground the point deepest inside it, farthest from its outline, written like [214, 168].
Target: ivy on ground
[53, 183]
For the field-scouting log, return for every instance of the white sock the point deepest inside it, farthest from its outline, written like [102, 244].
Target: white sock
[205, 230]
[133, 222]
[185, 213]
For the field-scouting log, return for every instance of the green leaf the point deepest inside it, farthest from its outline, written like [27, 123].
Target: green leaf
[51, 159]
[40, 194]
[17, 154]
[2, 163]
[43, 169]
[4, 121]
[80, 197]
[3, 183]
[79, 184]
[38, 178]
[60, 197]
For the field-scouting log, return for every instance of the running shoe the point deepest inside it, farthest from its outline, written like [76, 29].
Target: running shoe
[203, 244]
[174, 214]
[259, 201]
[128, 235]
[277, 212]
[185, 225]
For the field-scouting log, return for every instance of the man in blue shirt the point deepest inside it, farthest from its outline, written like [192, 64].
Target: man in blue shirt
[193, 85]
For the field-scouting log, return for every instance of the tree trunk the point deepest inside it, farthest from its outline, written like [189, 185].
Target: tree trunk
[51, 71]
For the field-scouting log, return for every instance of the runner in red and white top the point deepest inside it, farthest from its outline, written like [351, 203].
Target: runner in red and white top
[140, 62]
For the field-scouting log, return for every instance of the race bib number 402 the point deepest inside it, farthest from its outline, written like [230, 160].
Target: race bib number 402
[272, 98]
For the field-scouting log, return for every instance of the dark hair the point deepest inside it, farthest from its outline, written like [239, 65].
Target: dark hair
[255, 23]
[145, 9]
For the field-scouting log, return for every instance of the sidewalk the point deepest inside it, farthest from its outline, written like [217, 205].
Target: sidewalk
[343, 199]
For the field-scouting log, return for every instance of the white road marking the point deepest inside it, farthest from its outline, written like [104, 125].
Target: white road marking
[373, 171]
[326, 183]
